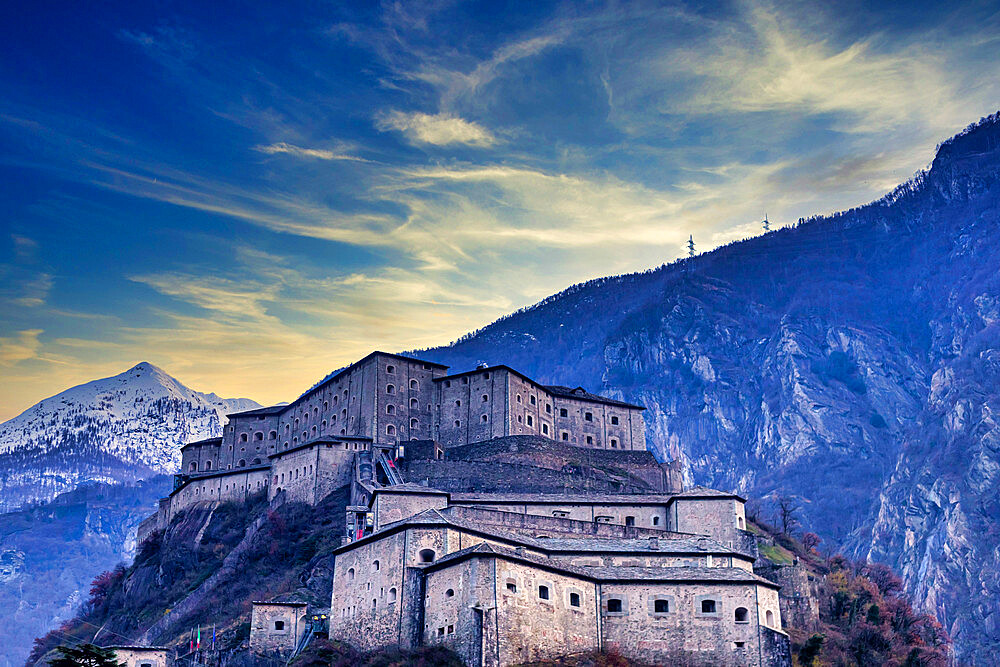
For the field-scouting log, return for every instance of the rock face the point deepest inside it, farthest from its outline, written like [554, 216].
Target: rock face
[851, 362]
[118, 429]
[50, 554]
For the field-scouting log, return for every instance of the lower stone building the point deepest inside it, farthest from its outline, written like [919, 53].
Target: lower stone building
[277, 627]
[504, 588]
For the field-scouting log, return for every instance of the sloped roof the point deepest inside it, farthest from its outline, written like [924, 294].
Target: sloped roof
[705, 492]
[581, 394]
[270, 410]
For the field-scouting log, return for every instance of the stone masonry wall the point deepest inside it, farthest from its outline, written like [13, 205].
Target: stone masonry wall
[684, 634]
[276, 627]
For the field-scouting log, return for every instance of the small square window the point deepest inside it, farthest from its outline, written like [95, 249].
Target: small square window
[279, 625]
[708, 606]
[543, 592]
[511, 587]
[614, 606]
[614, 421]
[563, 412]
[589, 416]
[661, 606]
[574, 599]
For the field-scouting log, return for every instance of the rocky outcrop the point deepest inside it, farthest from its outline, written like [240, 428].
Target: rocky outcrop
[851, 362]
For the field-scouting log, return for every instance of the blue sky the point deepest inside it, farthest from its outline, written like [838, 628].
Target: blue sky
[249, 195]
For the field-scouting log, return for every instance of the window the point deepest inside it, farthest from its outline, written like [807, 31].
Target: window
[458, 423]
[390, 430]
[486, 398]
[193, 467]
[614, 606]
[208, 465]
[543, 592]
[350, 572]
[279, 625]
[661, 606]
[560, 514]
[614, 443]
[392, 595]
[441, 632]
[614, 421]
[486, 376]
[485, 419]
[243, 437]
[574, 599]
[450, 593]
[769, 619]
[511, 586]
[458, 404]
[532, 399]
[742, 615]
[656, 521]
[390, 369]
[518, 398]
[414, 404]
[563, 412]
[426, 556]
[565, 435]
[451, 629]
[376, 566]
[414, 385]
[708, 606]
[390, 389]
[465, 380]
[447, 383]
[630, 521]
[545, 429]
[739, 521]
[390, 409]
[258, 436]
[272, 435]
[242, 463]
[414, 423]
[590, 439]
[530, 420]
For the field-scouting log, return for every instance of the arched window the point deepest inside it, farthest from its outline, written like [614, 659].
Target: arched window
[458, 423]
[739, 521]
[414, 385]
[543, 592]
[390, 430]
[450, 593]
[243, 437]
[769, 619]
[376, 566]
[414, 404]
[272, 435]
[350, 574]
[458, 404]
[392, 595]
[485, 419]
[390, 389]
[742, 615]
[258, 436]
[414, 423]
[208, 465]
[426, 555]
[518, 398]
[390, 369]
[242, 463]
[194, 466]
[314, 430]
[486, 398]
[390, 409]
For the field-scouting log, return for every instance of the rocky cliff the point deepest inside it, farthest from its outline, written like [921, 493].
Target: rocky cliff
[850, 362]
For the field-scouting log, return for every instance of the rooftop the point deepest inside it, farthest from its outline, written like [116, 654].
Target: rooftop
[270, 410]
[564, 499]
[705, 492]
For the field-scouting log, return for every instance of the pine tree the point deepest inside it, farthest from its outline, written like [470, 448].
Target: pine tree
[84, 655]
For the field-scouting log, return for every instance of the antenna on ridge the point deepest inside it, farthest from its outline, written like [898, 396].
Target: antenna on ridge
[767, 223]
[691, 246]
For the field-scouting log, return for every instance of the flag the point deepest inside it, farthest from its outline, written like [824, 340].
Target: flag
[213, 636]
[192, 639]
[199, 637]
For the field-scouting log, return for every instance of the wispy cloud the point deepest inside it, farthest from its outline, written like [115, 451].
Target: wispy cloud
[25, 345]
[437, 129]
[318, 153]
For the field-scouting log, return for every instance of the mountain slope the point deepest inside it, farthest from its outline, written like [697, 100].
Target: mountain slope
[117, 429]
[851, 361]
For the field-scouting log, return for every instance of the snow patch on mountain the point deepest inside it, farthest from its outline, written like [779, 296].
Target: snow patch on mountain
[115, 429]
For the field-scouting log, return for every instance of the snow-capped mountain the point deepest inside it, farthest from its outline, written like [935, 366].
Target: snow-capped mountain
[117, 429]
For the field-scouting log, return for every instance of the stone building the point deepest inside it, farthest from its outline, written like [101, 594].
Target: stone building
[142, 656]
[277, 627]
[503, 588]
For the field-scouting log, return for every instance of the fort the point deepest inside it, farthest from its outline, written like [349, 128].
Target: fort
[507, 520]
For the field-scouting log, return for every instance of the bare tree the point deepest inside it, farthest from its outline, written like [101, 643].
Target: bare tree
[788, 509]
